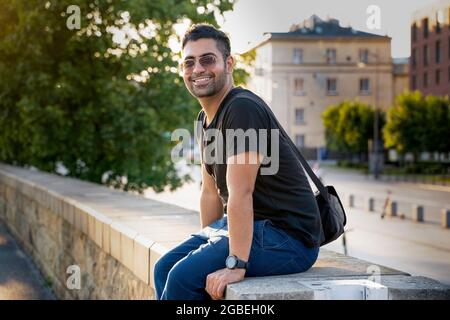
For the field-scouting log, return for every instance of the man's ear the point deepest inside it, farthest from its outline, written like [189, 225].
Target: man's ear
[230, 64]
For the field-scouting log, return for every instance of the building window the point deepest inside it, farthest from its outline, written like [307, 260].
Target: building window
[425, 55]
[414, 32]
[425, 80]
[297, 56]
[331, 56]
[425, 27]
[438, 76]
[299, 89]
[364, 85]
[331, 86]
[364, 55]
[300, 140]
[414, 83]
[438, 52]
[414, 57]
[299, 116]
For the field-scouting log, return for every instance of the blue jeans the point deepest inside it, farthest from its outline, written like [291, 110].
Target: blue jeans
[181, 273]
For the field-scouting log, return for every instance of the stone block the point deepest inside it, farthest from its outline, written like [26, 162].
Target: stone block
[98, 238]
[84, 221]
[68, 211]
[91, 225]
[127, 237]
[142, 247]
[115, 241]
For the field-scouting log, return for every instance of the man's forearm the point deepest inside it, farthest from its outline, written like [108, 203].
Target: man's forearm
[211, 208]
[240, 224]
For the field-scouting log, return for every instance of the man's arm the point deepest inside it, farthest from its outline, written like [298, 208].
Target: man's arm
[242, 170]
[211, 208]
[241, 177]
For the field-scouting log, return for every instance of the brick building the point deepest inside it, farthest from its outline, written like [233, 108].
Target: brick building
[430, 49]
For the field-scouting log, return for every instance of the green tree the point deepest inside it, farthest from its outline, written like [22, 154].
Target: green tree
[244, 63]
[101, 99]
[349, 126]
[437, 121]
[404, 128]
[416, 124]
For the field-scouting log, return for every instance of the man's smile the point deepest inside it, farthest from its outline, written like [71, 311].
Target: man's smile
[201, 81]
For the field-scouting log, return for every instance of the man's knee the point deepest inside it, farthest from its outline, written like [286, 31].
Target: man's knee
[162, 267]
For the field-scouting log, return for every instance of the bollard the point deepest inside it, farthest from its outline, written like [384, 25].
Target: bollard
[417, 213]
[351, 201]
[370, 204]
[392, 209]
[446, 218]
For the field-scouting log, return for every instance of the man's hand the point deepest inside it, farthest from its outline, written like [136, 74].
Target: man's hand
[216, 282]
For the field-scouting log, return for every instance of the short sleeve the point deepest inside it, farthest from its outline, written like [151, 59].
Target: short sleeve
[246, 127]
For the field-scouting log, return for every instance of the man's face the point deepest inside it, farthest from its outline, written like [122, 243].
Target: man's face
[209, 72]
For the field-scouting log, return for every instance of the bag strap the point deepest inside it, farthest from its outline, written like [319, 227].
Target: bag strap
[322, 190]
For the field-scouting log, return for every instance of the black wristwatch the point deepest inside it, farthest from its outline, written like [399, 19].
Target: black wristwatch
[234, 262]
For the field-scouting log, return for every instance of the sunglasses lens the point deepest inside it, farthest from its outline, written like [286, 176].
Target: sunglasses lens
[207, 61]
[188, 64]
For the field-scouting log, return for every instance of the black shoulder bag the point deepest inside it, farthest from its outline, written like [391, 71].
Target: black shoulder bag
[331, 209]
[332, 212]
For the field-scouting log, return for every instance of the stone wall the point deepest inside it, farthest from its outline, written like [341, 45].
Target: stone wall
[115, 238]
[59, 232]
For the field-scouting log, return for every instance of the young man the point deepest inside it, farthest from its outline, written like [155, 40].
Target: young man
[272, 223]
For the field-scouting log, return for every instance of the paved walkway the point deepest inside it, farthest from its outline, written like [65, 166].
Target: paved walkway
[19, 277]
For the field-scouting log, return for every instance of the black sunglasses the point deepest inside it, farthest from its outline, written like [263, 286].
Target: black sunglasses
[206, 61]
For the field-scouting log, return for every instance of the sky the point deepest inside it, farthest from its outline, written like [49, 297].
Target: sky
[251, 18]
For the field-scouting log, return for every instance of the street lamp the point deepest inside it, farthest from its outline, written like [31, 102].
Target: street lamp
[375, 159]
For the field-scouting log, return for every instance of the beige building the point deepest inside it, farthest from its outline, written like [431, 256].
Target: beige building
[318, 63]
[400, 72]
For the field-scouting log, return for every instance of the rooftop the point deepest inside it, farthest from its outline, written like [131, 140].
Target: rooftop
[316, 27]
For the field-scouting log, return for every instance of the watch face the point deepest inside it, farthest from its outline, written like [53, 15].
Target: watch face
[231, 262]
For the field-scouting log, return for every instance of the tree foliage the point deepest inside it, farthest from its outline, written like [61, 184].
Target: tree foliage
[416, 124]
[349, 126]
[101, 100]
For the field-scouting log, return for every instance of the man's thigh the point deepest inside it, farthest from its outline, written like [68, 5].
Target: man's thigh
[199, 263]
[208, 237]
[170, 258]
[274, 252]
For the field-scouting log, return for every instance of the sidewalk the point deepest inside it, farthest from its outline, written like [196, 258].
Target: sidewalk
[19, 277]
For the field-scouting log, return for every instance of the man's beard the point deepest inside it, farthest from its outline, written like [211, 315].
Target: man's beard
[216, 85]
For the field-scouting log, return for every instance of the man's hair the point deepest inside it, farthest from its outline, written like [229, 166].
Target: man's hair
[207, 31]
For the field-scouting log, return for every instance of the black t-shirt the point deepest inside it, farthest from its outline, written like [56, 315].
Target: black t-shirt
[284, 197]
